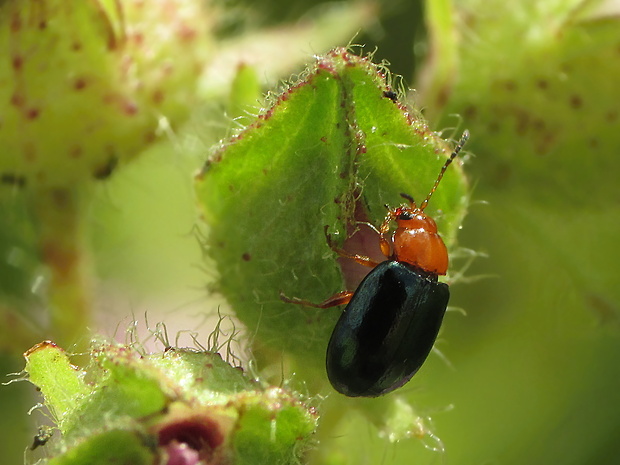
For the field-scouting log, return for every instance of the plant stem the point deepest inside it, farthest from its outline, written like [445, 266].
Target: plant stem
[63, 248]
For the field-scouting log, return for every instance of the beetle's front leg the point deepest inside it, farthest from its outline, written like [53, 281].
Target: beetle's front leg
[361, 259]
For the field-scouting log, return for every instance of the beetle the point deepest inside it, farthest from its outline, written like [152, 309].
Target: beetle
[392, 319]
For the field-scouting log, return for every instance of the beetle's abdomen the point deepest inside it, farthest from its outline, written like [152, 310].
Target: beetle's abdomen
[386, 332]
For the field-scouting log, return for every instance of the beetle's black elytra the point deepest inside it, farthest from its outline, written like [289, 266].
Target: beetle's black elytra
[386, 332]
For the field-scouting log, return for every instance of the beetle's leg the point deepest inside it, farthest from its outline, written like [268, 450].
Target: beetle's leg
[361, 259]
[384, 230]
[341, 298]
[370, 225]
[384, 242]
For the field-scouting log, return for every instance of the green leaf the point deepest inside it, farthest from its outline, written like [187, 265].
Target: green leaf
[122, 385]
[61, 383]
[179, 403]
[272, 432]
[85, 86]
[111, 447]
[331, 150]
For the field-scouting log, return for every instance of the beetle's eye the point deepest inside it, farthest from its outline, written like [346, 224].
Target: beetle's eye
[405, 215]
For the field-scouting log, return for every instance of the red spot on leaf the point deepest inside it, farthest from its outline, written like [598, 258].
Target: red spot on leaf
[150, 136]
[79, 83]
[186, 32]
[158, 96]
[137, 38]
[130, 108]
[33, 113]
[16, 23]
[17, 62]
[75, 151]
[17, 100]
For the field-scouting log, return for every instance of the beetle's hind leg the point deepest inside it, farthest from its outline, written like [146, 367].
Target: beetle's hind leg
[340, 298]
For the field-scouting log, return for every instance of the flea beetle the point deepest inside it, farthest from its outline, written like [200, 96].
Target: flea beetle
[392, 319]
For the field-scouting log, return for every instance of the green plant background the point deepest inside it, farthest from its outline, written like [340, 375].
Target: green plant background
[533, 373]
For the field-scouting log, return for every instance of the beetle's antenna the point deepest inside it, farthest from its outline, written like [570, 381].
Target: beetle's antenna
[456, 151]
[409, 198]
